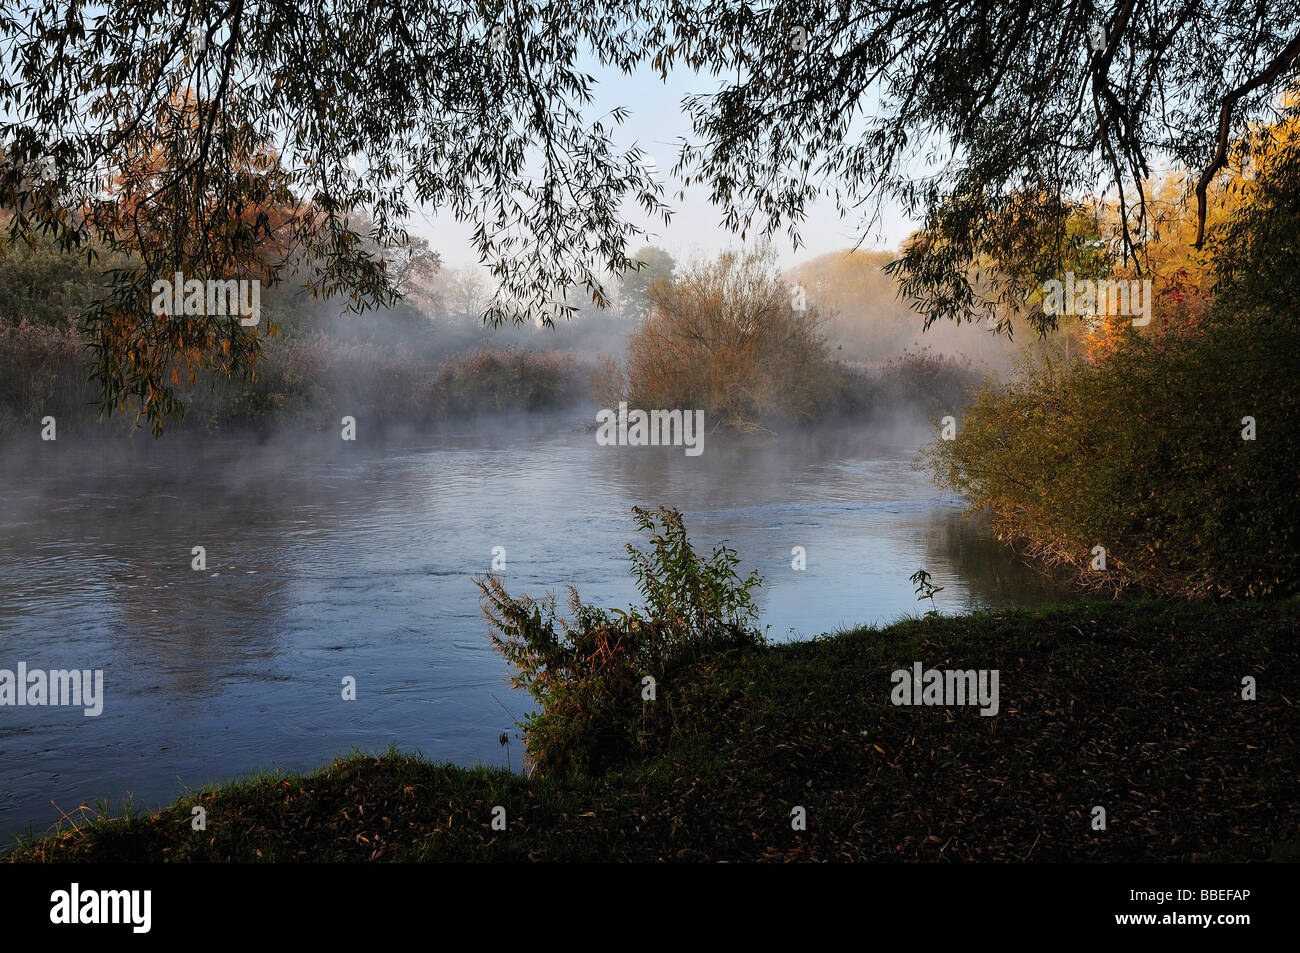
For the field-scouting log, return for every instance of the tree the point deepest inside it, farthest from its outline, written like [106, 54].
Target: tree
[990, 123]
[652, 266]
[864, 317]
[725, 337]
[465, 293]
[1149, 448]
[370, 106]
[1260, 244]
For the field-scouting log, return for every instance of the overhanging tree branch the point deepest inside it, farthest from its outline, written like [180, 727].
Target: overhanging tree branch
[1276, 68]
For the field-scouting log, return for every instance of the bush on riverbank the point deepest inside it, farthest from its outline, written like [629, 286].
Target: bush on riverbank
[588, 674]
[489, 380]
[44, 371]
[725, 337]
[916, 384]
[1171, 446]
[1144, 453]
[1135, 707]
[728, 337]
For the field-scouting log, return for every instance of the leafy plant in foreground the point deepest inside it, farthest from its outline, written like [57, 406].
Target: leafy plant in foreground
[588, 672]
[925, 589]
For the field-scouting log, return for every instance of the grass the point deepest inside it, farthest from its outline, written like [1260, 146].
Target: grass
[1133, 706]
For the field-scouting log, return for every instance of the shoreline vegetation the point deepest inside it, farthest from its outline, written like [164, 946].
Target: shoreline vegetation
[725, 337]
[1134, 706]
[311, 382]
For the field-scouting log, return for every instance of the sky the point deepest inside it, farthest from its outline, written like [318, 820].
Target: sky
[656, 123]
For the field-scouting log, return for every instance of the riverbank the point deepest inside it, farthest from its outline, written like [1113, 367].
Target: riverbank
[1135, 707]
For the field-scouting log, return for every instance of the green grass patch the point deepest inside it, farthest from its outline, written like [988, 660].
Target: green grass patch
[1133, 706]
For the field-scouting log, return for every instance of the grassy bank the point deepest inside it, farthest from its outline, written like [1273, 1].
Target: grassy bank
[1135, 707]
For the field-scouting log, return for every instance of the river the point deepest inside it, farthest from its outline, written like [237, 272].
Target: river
[327, 559]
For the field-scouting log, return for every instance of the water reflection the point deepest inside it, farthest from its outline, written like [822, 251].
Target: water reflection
[326, 560]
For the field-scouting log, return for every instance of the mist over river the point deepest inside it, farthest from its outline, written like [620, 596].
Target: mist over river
[328, 559]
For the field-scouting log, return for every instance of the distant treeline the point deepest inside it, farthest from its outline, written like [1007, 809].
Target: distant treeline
[737, 347]
[312, 382]
[301, 382]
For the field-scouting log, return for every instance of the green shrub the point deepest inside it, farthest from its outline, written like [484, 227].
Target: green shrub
[489, 380]
[49, 287]
[586, 673]
[1142, 452]
[916, 383]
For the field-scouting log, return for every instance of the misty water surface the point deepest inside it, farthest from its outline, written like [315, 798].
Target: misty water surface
[327, 559]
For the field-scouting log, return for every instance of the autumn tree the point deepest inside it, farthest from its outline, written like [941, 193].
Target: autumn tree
[991, 124]
[371, 107]
[1154, 447]
[726, 336]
